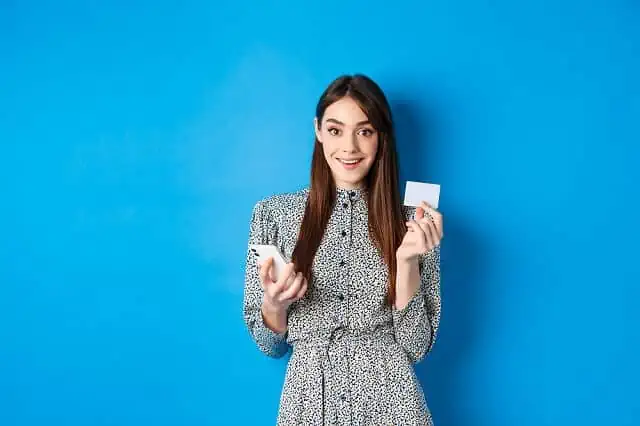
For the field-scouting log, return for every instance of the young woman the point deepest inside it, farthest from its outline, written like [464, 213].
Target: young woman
[360, 302]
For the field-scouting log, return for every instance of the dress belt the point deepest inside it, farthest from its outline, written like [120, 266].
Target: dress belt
[328, 404]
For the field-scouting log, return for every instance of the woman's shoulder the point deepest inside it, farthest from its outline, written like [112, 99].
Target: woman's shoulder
[281, 204]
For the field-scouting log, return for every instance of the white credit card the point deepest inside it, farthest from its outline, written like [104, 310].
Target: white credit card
[416, 192]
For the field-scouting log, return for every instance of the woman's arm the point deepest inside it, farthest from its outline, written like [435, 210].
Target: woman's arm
[274, 318]
[416, 314]
[408, 282]
[266, 326]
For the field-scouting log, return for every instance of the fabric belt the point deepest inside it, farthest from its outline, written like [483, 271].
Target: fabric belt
[337, 338]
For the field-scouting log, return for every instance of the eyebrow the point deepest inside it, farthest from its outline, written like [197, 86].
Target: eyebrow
[360, 123]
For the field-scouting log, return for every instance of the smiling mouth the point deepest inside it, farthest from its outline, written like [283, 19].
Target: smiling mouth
[350, 162]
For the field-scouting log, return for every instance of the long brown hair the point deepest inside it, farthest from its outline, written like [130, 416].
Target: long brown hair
[386, 223]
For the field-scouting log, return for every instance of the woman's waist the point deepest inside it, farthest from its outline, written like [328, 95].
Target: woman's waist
[340, 335]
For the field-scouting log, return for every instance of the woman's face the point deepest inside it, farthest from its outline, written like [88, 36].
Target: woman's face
[349, 142]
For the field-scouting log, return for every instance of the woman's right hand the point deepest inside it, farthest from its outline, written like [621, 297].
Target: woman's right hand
[278, 295]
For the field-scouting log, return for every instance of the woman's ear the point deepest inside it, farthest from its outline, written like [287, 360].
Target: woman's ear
[316, 128]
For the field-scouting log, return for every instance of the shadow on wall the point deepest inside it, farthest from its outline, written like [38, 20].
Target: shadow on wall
[440, 373]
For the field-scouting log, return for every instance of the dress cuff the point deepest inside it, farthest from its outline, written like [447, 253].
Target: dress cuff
[264, 334]
[416, 302]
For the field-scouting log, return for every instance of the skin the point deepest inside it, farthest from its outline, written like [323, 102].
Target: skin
[424, 234]
[345, 133]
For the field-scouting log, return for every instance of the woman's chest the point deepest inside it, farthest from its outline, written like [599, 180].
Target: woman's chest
[346, 261]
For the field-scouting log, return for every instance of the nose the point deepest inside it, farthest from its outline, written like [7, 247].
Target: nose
[350, 143]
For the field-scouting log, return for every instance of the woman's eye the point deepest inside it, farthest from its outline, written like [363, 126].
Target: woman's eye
[366, 132]
[333, 131]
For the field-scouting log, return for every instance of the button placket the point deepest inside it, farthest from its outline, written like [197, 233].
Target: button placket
[343, 236]
[345, 223]
[345, 249]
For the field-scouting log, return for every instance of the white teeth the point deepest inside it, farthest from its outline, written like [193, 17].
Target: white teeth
[349, 161]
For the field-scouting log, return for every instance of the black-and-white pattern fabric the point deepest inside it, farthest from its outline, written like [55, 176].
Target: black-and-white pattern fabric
[352, 355]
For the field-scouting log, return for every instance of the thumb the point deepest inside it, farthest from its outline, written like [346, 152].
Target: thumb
[272, 270]
[419, 213]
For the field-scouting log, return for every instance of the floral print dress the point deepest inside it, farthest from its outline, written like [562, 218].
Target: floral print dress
[352, 355]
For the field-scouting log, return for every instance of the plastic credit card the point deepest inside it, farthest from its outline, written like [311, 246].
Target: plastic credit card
[416, 192]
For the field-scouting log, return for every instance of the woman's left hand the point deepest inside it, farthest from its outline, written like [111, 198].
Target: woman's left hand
[423, 233]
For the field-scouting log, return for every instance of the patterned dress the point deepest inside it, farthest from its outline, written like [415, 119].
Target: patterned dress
[352, 355]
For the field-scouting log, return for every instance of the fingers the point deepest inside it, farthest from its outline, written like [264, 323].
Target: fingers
[424, 232]
[435, 215]
[294, 287]
[272, 271]
[303, 290]
[268, 278]
[290, 286]
[288, 274]
[427, 234]
[427, 227]
[434, 238]
[265, 272]
[286, 279]
[413, 226]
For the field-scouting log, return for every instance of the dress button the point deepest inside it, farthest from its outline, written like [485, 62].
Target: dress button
[343, 398]
[345, 205]
[344, 233]
[341, 297]
[342, 263]
[353, 194]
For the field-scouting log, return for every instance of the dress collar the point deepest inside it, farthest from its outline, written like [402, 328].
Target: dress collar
[353, 194]
[344, 193]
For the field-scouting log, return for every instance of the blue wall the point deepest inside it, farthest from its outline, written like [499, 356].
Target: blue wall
[136, 138]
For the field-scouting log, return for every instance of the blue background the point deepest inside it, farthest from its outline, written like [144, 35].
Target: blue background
[136, 137]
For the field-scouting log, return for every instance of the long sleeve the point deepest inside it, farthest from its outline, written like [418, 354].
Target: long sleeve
[416, 325]
[263, 230]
